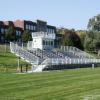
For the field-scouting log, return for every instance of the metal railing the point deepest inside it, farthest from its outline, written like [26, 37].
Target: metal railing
[43, 34]
[61, 61]
[24, 54]
[76, 51]
[39, 63]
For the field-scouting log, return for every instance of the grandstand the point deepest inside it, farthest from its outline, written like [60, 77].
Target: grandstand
[42, 54]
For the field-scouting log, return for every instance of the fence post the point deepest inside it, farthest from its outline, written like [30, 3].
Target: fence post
[21, 68]
[92, 66]
[18, 64]
[26, 67]
[5, 48]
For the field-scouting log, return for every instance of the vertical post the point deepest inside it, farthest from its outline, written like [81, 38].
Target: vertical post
[5, 48]
[32, 67]
[42, 54]
[22, 45]
[37, 61]
[21, 68]
[70, 61]
[64, 49]
[26, 67]
[18, 61]
[92, 66]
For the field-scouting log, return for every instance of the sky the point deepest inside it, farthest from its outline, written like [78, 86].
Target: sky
[60, 13]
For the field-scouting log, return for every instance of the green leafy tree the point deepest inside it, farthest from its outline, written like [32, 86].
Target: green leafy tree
[88, 44]
[92, 41]
[61, 30]
[26, 36]
[70, 38]
[82, 35]
[66, 41]
[10, 34]
[94, 23]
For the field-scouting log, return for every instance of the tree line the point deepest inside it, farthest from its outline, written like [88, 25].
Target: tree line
[83, 39]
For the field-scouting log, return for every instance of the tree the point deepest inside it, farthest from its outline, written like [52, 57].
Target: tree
[61, 30]
[66, 41]
[10, 34]
[70, 38]
[94, 23]
[92, 41]
[88, 43]
[82, 35]
[26, 36]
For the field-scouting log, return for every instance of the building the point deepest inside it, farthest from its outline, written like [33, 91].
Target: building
[22, 25]
[43, 40]
[25, 25]
[4, 25]
[35, 26]
[3, 30]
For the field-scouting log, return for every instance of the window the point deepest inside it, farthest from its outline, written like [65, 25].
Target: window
[2, 38]
[51, 42]
[43, 42]
[2, 30]
[18, 33]
[27, 26]
[53, 31]
[46, 42]
[50, 30]
[47, 30]
[34, 27]
[5, 30]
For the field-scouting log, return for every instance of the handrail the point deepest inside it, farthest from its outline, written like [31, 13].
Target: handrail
[24, 53]
[57, 61]
[76, 51]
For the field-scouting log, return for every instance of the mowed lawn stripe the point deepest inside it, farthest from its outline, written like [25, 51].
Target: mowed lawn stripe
[51, 85]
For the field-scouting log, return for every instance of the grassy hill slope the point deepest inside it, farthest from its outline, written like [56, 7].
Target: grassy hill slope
[77, 84]
[9, 60]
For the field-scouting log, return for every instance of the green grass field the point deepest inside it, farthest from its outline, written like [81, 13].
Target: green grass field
[76, 84]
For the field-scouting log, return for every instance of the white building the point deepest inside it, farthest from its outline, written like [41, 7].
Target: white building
[43, 40]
